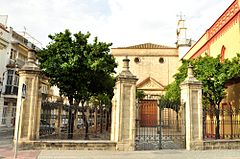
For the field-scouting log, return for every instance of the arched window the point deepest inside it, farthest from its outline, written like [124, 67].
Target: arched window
[222, 53]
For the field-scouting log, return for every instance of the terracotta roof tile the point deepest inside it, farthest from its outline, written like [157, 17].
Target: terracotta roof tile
[147, 46]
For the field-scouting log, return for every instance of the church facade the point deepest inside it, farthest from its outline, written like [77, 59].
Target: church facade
[153, 64]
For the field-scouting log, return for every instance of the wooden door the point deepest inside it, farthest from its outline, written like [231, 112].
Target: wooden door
[148, 113]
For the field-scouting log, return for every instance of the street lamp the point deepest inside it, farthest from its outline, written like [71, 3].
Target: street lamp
[24, 91]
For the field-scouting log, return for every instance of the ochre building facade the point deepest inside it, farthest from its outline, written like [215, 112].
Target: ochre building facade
[223, 38]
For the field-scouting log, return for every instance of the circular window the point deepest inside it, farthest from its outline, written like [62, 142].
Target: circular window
[136, 60]
[161, 60]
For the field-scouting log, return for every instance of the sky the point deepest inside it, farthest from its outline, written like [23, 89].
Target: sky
[122, 22]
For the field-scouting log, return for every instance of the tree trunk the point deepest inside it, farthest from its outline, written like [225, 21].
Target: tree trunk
[95, 120]
[86, 137]
[70, 119]
[101, 120]
[75, 119]
[204, 123]
[217, 113]
[177, 122]
[107, 121]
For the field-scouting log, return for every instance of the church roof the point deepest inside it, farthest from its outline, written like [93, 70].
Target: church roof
[147, 46]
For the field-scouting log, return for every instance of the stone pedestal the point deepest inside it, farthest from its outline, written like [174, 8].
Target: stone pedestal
[124, 110]
[191, 95]
[29, 104]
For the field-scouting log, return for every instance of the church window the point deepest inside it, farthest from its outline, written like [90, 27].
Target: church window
[136, 60]
[161, 60]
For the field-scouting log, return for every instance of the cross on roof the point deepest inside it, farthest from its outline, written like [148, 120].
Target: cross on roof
[181, 16]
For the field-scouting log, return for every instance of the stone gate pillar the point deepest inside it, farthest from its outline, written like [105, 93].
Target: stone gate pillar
[124, 110]
[191, 95]
[29, 105]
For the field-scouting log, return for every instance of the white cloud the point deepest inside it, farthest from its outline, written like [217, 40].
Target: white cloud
[123, 22]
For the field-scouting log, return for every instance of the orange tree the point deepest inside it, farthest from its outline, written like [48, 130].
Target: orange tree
[79, 68]
[214, 76]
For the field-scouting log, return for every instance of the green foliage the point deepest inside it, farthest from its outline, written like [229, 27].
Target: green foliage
[78, 68]
[182, 72]
[101, 100]
[173, 92]
[208, 70]
[140, 94]
[213, 73]
[165, 102]
[171, 99]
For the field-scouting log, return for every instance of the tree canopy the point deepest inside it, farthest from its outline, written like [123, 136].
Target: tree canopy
[76, 66]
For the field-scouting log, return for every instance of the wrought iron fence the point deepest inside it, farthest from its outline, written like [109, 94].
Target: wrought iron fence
[228, 127]
[159, 128]
[90, 123]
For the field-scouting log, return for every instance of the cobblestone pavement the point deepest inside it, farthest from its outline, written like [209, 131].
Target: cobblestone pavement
[162, 154]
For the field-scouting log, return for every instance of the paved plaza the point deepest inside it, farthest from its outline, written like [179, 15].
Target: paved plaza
[161, 154]
[6, 152]
[6, 136]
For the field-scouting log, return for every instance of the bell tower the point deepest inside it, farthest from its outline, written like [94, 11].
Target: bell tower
[183, 43]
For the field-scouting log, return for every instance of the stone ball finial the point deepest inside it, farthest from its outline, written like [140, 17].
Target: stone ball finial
[31, 62]
[190, 71]
[126, 64]
[32, 55]
[126, 74]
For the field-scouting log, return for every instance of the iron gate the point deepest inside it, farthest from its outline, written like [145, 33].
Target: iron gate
[159, 128]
